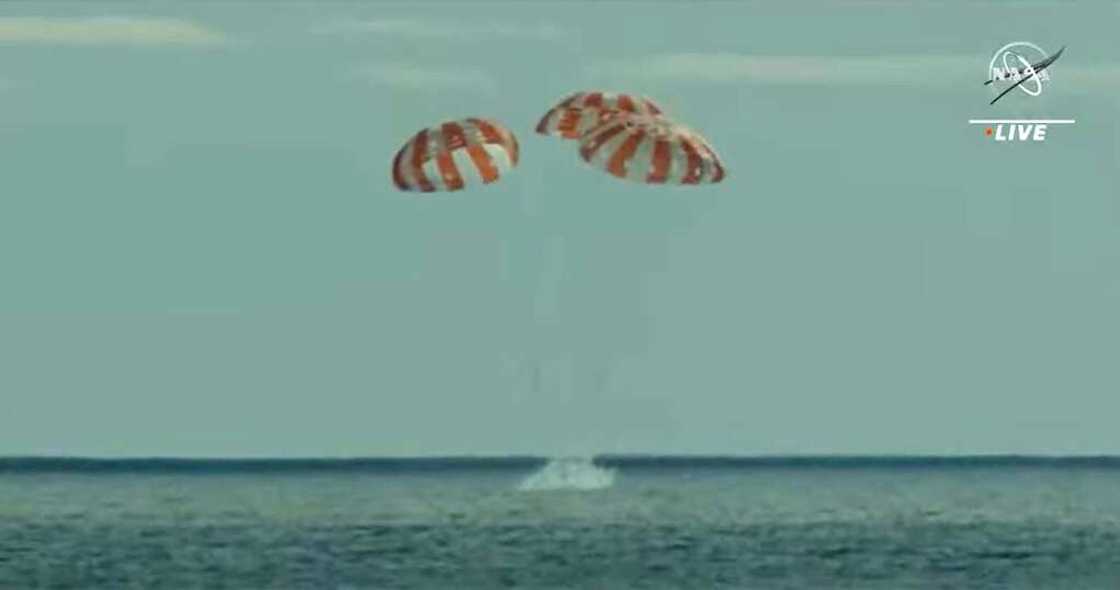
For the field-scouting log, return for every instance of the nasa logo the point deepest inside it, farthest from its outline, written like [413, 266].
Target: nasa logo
[1010, 68]
[1025, 66]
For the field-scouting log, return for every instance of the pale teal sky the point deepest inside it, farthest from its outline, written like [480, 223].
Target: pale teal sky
[201, 252]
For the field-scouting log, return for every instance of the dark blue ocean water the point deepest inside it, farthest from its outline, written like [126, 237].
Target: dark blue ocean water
[524, 523]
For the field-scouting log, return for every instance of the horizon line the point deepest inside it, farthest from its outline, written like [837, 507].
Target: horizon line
[234, 465]
[555, 456]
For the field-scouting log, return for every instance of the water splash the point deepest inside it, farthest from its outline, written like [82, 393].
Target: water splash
[569, 473]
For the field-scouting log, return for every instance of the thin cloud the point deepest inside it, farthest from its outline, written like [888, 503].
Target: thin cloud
[446, 30]
[1107, 76]
[730, 67]
[416, 77]
[106, 31]
[893, 70]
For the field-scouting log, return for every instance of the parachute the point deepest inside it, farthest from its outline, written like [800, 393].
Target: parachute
[626, 135]
[580, 112]
[651, 150]
[454, 155]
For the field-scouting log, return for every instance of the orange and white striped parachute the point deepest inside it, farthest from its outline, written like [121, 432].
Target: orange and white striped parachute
[455, 155]
[582, 111]
[651, 150]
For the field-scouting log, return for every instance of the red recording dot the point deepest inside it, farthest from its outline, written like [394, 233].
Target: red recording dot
[988, 131]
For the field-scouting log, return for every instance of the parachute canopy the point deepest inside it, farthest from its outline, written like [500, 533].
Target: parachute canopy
[651, 150]
[582, 111]
[455, 155]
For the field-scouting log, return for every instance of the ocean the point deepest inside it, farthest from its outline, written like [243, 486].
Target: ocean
[524, 522]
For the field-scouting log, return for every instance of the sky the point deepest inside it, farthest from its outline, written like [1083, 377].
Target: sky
[202, 253]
